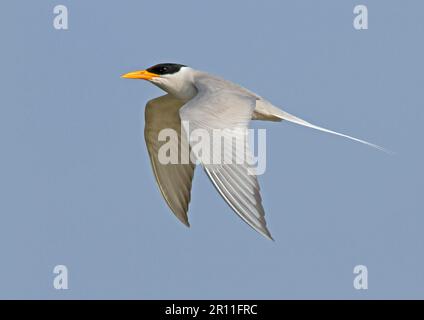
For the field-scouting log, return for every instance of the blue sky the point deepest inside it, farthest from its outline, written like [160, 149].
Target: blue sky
[75, 180]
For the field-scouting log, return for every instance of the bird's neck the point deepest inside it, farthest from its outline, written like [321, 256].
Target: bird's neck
[184, 91]
[180, 86]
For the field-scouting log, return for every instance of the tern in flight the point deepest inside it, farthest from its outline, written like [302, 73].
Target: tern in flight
[208, 102]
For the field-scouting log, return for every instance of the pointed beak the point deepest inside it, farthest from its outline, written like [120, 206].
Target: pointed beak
[141, 74]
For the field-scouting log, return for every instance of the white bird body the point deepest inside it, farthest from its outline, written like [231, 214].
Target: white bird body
[208, 102]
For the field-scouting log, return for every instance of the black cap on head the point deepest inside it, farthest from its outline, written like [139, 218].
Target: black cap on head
[165, 68]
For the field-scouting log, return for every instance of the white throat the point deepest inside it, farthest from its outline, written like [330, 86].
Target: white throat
[179, 85]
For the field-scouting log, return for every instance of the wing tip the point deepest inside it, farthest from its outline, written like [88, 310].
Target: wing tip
[186, 223]
[269, 237]
[182, 219]
[265, 232]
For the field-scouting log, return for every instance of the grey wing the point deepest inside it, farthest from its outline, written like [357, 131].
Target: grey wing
[217, 106]
[174, 180]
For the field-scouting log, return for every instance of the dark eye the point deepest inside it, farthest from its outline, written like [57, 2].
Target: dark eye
[164, 69]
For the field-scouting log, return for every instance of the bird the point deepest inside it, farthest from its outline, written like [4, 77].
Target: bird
[208, 102]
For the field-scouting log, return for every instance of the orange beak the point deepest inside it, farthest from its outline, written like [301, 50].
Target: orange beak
[141, 74]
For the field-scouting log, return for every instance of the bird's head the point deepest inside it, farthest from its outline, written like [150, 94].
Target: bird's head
[176, 79]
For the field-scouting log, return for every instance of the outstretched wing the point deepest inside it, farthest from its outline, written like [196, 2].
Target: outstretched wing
[220, 106]
[174, 179]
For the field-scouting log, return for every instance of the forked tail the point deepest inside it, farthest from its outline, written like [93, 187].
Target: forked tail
[287, 116]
